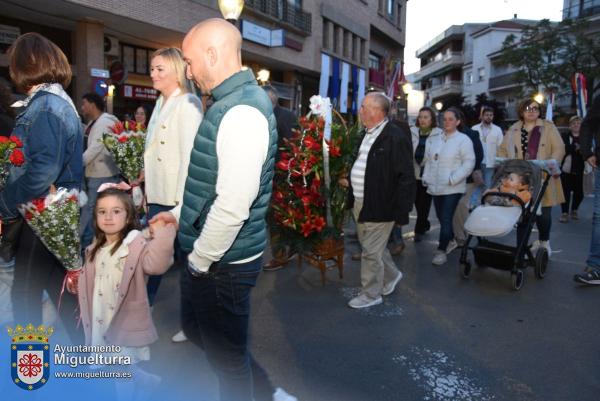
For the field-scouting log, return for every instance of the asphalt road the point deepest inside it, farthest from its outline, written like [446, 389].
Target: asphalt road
[438, 337]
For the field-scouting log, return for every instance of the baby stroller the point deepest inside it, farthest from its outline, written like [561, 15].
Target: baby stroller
[499, 213]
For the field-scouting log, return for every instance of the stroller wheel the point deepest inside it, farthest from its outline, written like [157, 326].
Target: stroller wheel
[517, 280]
[541, 262]
[466, 269]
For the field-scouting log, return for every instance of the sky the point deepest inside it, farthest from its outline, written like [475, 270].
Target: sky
[425, 19]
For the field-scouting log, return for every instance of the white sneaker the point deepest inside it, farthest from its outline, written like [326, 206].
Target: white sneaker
[391, 286]
[363, 301]
[439, 258]
[179, 337]
[282, 395]
[452, 245]
[535, 246]
[546, 244]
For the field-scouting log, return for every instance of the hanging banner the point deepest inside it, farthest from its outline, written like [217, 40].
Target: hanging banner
[354, 89]
[361, 88]
[324, 81]
[580, 89]
[335, 82]
[344, 91]
[550, 106]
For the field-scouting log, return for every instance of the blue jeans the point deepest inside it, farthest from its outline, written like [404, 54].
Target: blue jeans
[445, 206]
[215, 311]
[488, 175]
[87, 214]
[154, 281]
[594, 256]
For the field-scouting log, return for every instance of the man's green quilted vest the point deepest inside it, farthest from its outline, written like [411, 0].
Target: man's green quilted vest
[199, 193]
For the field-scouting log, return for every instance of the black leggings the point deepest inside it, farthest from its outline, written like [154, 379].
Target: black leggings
[572, 183]
[544, 224]
[423, 206]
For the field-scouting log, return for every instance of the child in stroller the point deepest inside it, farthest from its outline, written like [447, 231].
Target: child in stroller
[511, 183]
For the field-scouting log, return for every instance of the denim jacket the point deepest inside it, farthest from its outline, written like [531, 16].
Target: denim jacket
[52, 139]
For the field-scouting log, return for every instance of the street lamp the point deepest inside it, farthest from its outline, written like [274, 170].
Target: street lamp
[439, 105]
[539, 97]
[407, 88]
[231, 9]
[263, 76]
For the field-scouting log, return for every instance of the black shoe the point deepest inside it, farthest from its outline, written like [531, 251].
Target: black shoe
[590, 278]
[418, 237]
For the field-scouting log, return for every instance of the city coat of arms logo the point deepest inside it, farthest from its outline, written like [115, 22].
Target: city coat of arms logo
[30, 355]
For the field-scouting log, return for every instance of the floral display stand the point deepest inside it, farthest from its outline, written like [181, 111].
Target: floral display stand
[325, 251]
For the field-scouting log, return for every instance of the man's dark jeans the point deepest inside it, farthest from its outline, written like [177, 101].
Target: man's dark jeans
[215, 311]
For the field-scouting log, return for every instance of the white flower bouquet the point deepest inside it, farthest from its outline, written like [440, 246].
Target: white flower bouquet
[55, 220]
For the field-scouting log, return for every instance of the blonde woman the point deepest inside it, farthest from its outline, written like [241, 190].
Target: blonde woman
[170, 137]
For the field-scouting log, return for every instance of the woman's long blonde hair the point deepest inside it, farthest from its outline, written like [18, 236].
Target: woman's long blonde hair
[174, 59]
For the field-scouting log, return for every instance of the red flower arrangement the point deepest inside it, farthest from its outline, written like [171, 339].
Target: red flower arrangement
[10, 155]
[300, 196]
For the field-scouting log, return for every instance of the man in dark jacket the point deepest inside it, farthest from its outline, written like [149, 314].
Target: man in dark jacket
[286, 122]
[590, 150]
[381, 195]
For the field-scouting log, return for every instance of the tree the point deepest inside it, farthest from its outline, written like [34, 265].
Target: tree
[548, 54]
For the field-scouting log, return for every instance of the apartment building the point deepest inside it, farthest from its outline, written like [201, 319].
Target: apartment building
[109, 42]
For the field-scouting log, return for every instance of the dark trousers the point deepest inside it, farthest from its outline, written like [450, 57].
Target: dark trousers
[154, 281]
[423, 205]
[215, 312]
[572, 183]
[445, 205]
[36, 270]
[544, 224]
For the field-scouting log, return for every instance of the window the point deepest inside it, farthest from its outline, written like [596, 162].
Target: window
[481, 74]
[136, 59]
[389, 9]
[468, 78]
[374, 62]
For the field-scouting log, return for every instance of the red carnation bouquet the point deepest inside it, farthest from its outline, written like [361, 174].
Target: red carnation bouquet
[10, 155]
[125, 142]
[55, 220]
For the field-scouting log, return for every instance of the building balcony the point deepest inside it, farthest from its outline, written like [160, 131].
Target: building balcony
[445, 89]
[447, 62]
[283, 12]
[504, 81]
[376, 77]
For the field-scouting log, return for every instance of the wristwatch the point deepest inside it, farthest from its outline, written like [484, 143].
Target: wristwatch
[194, 271]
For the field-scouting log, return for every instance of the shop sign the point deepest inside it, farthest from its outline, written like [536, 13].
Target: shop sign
[99, 73]
[256, 33]
[139, 92]
[8, 34]
[277, 36]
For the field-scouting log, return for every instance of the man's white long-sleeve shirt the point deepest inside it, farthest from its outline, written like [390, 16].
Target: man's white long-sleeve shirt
[242, 147]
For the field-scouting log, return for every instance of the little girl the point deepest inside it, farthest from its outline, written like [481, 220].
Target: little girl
[112, 285]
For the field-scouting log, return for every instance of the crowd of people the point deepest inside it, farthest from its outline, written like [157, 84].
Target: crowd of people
[208, 176]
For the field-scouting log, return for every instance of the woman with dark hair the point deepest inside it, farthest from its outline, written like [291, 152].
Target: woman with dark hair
[425, 127]
[449, 160]
[50, 129]
[7, 114]
[572, 171]
[532, 138]
[590, 150]
[142, 114]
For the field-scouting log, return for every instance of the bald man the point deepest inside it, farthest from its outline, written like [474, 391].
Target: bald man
[222, 218]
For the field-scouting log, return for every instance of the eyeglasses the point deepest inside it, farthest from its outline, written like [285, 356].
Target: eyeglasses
[532, 109]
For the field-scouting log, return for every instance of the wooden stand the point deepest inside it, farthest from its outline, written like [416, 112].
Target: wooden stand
[330, 249]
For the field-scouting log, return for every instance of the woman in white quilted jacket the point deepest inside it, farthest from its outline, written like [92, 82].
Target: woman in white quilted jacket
[170, 138]
[449, 160]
